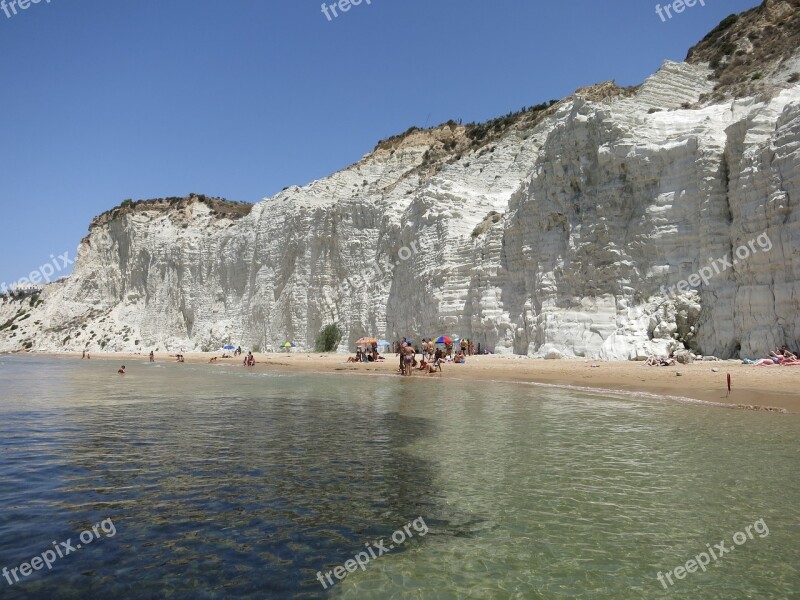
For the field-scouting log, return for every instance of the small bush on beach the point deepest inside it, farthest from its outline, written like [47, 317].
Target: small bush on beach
[328, 338]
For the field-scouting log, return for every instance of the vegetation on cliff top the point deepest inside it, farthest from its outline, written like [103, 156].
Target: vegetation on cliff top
[220, 208]
[744, 48]
[478, 133]
[451, 141]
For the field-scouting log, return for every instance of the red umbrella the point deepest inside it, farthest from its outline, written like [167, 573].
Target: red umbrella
[444, 340]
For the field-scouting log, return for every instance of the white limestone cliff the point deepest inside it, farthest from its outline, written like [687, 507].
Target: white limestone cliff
[553, 239]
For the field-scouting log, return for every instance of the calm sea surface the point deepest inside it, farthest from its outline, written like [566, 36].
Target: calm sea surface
[222, 483]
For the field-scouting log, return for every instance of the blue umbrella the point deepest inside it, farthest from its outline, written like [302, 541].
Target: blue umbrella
[229, 347]
[383, 343]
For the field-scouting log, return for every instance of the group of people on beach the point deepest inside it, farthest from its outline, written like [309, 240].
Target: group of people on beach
[366, 354]
[660, 361]
[780, 356]
[433, 355]
[428, 346]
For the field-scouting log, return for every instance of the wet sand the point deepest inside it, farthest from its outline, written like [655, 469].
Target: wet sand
[752, 387]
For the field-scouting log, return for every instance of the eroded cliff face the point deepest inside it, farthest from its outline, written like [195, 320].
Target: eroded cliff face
[554, 234]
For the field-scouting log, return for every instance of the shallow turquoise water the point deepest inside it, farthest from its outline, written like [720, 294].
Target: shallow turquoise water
[223, 483]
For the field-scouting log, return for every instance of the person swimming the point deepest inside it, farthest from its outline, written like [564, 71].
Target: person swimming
[121, 370]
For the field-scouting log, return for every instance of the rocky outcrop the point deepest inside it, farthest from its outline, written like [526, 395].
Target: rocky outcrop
[565, 230]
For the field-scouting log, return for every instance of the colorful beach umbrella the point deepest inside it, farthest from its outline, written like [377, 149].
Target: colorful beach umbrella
[367, 340]
[444, 340]
[288, 345]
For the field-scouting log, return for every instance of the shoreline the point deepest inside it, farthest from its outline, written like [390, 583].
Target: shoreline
[753, 388]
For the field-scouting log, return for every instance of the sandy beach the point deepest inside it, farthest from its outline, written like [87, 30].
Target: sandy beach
[765, 388]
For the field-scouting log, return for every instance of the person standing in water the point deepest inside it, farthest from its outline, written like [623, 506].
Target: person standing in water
[408, 359]
[152, 356]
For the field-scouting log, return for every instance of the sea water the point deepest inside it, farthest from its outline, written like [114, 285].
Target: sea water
[223, 482]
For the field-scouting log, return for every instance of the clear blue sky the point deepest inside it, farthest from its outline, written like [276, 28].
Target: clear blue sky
[112, 99]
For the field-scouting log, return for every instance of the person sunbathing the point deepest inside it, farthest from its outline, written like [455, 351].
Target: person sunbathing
[786, 359]
[768, 362]
[778, 357]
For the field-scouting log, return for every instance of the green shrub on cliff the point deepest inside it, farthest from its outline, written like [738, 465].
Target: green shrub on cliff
[328, 338]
